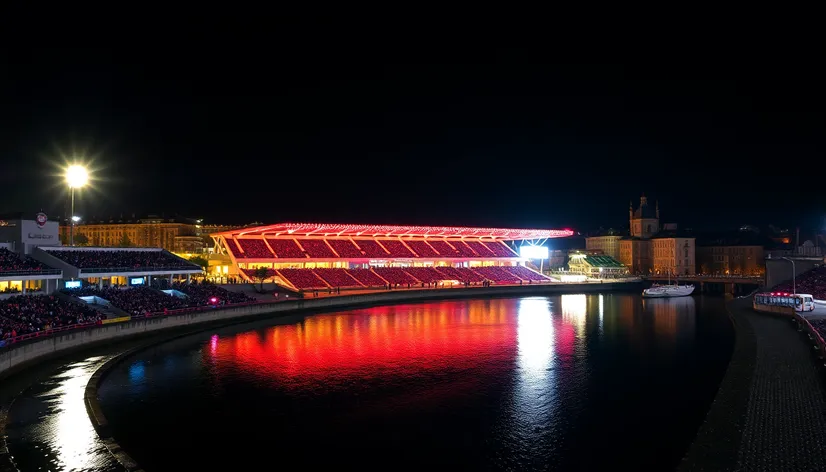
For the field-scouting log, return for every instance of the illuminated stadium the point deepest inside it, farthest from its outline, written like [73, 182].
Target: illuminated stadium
[324, 256]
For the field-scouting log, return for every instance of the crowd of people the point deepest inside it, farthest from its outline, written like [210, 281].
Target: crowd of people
[26, 314]
[146, 300]
[12, 262]
[127, 259]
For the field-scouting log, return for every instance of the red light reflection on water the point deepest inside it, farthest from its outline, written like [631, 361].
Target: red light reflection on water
[426, 336]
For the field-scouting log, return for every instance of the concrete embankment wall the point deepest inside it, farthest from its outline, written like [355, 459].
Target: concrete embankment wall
[21, 354]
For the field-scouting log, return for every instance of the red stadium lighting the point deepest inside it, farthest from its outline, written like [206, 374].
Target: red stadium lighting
[213, 300]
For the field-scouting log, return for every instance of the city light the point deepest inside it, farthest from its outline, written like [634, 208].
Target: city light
[77, 176]
[213, 300]
[533, 252]
[75, 219]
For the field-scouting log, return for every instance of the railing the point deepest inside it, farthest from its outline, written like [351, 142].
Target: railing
[108, 270]
[31, 272]
[813, 333]
[45, 333]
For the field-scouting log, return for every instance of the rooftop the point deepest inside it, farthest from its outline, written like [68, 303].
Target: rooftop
[322, 229]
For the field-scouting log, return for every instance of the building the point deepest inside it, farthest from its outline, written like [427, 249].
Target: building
[596, 266]
[19, 238]
[655, 249]
[605, 241]
[740, 252]
[179, 235]
[326, 256]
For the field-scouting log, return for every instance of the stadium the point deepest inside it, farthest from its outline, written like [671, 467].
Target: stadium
[306, 256]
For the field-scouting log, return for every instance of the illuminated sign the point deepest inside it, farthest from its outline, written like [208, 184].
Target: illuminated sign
[73, 284]
[136, 281]
[533, 252]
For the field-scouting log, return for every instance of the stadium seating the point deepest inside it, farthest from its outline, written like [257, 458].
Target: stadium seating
[232, 245]
[425, 274]
[463, 249]
[480, 249]
[819, 325]
[367, 277]
[394, 275]
[345, 248]
[317, 248]
[255, 249]
[499, 275]
[144, 260]
[286, 249]
[11, 262]
[461, 274]
[337, 277]
[526, 274]
[500, 249]
[135, 301]
[812, 282]
[443, 248]
[371, 248]
[396, 248]
[26, 314]
[302, 278]
[422, 248]
[202, 295]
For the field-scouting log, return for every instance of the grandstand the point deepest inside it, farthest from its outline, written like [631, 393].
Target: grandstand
[326, 256]
[20, 273]
[812, 282]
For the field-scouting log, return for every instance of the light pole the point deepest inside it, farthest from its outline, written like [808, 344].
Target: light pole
[76, 177]
[794, 276]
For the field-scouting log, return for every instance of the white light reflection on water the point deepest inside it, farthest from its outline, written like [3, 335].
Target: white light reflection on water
[601, 313]
[535, 387]
[67, 429]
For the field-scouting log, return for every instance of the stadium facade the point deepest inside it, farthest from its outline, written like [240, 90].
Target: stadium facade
[324, 256]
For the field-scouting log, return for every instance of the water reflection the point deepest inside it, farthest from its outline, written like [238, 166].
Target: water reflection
[674, 318]
[50, 419]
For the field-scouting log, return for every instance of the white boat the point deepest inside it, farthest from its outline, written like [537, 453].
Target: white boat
[668, 291]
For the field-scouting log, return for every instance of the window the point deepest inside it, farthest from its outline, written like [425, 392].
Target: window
[686, 252]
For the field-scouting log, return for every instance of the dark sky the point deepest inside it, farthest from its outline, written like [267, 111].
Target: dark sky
[426, 135]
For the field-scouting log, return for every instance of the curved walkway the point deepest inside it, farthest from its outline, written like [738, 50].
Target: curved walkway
[770, 412]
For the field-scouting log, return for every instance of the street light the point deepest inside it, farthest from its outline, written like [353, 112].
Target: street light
[794, 276]
[76, 177]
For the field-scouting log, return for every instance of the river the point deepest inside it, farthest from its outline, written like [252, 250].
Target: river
[534, 383]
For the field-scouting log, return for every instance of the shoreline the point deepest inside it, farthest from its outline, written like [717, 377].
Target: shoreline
[769, 412]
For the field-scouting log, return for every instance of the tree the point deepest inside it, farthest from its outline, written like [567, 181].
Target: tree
[261, 274]
[201, 261]
[81, 240]
[124, 241]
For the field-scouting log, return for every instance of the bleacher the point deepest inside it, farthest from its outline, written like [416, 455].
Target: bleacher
[371, 248]
[337, 277]
[443, 248]
[302, 278]
[123, 259]
[425, 274]
[317, 248]
[463, 249]
[286, 249]
[526, 274]
[498, 274]
[367, 277]
[26, 314]
[480, 249]
[812, 282]
[462, 274]
[12, 262]
[255, 249]
[500, 249]
[397, 248]
[421, 248]
[395, 275]
[345, 248]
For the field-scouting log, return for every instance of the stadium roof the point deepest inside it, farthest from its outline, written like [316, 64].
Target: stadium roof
[320, 229]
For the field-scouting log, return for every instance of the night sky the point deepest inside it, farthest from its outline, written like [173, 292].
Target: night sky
[383, 134]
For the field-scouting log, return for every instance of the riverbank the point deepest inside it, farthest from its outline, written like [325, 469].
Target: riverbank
[769, 413]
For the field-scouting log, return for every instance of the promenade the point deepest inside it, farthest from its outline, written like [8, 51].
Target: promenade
[769, 413]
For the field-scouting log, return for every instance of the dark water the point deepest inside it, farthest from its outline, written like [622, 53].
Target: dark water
[565, 382]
